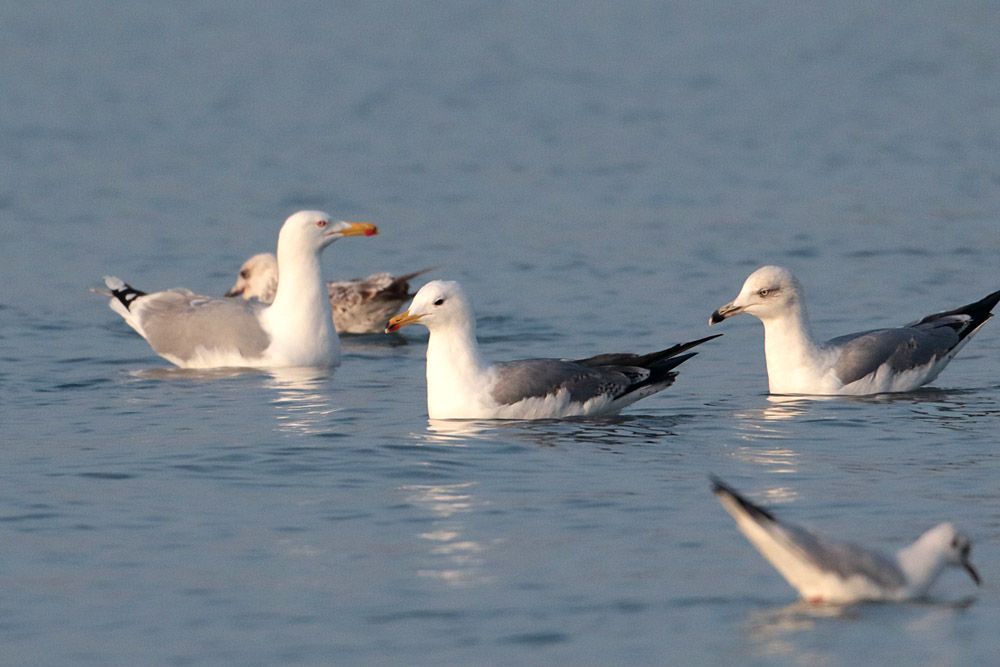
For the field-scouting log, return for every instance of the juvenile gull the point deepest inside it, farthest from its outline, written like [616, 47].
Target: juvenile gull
[460, 385]
[360, 305]
[868, 362]
[194, 331]
[823, 570]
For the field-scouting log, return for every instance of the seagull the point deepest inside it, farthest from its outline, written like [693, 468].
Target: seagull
[360, 305]
[194, 331]
[868, 362]
[460, 385]
[839, 572]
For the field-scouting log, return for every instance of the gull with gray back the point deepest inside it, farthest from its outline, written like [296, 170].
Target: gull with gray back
[460, 385]
[194, 331]
[868, 362]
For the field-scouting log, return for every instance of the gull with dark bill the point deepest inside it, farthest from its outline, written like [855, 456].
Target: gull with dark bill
[823, 570]
[868, 362]
[194, 331]
[360, 305]
[460, 385]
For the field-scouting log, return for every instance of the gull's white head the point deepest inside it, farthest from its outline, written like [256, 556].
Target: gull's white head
[439, 303]
[769, 292]
[258, 278]
[954, 546]
[311, 231]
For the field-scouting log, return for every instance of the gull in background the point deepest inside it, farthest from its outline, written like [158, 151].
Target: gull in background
[460, 385]
[823, 570]
[868, 362]
[194, 331]
[360, 305]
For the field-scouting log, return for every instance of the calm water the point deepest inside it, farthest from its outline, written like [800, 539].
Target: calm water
[600, 177]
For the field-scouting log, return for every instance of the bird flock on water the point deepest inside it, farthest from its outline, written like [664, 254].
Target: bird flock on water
[289, 316]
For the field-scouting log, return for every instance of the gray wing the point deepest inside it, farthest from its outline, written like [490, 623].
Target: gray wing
[378, 286]
[862, 353]
[843, 558]
[355, 291]
[531, 378]
[364, 305]
[177, 322]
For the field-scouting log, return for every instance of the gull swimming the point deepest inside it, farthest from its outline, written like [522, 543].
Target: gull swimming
[460, 385]
[194, 331]
[867, 362]
[822, 570]
[360, 305]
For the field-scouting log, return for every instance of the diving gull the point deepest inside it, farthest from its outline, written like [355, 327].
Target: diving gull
[868, 362]
[194, 331]
[822, 570]
[360, 305]
[460, 385]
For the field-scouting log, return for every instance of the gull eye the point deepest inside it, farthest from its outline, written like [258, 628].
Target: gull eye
[954, 543]
[244, 273]
[321, 223]
[763, 292]
[439, 302]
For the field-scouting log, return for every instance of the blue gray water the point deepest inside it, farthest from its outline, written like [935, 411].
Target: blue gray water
[600, 177]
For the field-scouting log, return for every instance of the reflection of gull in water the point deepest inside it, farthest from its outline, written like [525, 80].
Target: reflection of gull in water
[455, 561]
[453, 431]
[766, 423]
[774, 631]
[303, 400]
[777, 459]
[573, 432]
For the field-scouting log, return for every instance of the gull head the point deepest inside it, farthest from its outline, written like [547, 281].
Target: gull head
[311, 231]
[438, 304]
[955, 547]
[768, 293]
[258, 278]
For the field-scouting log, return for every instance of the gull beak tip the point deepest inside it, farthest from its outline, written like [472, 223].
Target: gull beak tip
[972, 573]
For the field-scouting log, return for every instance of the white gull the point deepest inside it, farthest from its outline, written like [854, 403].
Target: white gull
[460, 385]
[194, 331]
[360, 305]
[823, 570]
[867, 362]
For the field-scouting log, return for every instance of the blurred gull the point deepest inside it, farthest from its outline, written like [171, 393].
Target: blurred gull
[194, 331]
[868, 362]
[460, 385]
[822, 570]
[360, 305]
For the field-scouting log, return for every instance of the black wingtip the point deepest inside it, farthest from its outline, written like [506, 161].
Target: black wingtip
[671, 353]
[720, 488]
[980, 311]
[694, 343]
[121, 290]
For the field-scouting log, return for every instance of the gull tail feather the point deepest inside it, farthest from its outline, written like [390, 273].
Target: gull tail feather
[977, 313]
[120, 290]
